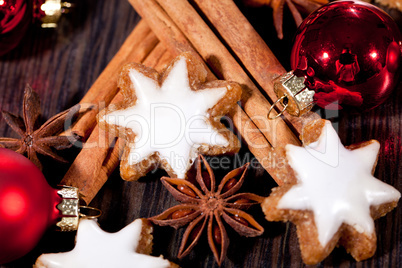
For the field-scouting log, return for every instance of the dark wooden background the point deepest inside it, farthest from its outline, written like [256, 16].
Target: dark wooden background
[61, 65]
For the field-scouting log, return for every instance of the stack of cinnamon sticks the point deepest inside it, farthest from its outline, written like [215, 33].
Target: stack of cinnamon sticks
[170, 27]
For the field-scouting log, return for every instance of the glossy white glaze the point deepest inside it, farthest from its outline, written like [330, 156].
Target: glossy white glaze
[336, 184]
[96, 248]
[170, 119]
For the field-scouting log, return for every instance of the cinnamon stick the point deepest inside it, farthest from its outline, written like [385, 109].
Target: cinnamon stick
[136, 47]
[257, 144]
[158, 52]
[101, 153]
[96, 161]
[250, 48]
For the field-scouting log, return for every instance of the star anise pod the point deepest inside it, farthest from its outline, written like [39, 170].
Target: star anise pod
[38, 140]
[205, 209]
[306, 6]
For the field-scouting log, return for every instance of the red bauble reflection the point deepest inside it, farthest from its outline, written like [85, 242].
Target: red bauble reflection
[27, 205]
[350, 53]
[15, 17]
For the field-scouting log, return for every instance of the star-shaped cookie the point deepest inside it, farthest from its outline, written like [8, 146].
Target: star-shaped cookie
[169, 118]
[96, 248]
[331, 194]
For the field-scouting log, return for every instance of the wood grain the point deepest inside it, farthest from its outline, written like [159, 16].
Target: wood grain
[63, 64]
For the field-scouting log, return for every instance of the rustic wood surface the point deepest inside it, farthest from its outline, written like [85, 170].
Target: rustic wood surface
[62, 64]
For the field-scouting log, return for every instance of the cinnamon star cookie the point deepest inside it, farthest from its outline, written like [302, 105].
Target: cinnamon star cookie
[95, 248]
[331, 194]
[169, 118]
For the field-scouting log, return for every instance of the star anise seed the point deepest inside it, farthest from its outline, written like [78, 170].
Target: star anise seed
[203, 209]
[38, 140]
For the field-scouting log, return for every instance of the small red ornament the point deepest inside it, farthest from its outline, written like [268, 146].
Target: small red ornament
[17, 15]
[348, 55]
[28, 205]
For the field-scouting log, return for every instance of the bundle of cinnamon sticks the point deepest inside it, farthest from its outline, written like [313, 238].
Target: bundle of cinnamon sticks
[168, 28]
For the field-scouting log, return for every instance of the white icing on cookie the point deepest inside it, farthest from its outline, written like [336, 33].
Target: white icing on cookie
[96, 248]
[170, 119]
[336, 184]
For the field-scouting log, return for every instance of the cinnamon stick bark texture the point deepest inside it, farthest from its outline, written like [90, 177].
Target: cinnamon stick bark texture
[257, 144]
[98, 158]
[136, 47]
[250, 48]
[224, 65]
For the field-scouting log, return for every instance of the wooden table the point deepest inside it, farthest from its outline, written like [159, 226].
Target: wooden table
[62, 64]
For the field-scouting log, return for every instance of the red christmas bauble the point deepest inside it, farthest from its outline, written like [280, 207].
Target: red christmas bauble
[27, 205]
[350, 53]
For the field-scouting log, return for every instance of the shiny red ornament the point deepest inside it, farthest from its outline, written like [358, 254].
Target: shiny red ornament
[349, 53]
[27, 205]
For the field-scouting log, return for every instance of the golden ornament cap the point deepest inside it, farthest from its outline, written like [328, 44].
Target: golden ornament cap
[295, 97]
[70, 209]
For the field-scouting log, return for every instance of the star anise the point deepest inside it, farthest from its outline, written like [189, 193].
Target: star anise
[37, 140]
[205, 209]
[306, 6]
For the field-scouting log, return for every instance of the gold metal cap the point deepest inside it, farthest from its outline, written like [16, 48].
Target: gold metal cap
[293, 94]
[71, 210]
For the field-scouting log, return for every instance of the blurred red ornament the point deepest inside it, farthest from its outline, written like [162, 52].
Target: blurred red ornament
[349, 54]
[28, 205]
[17, 15]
